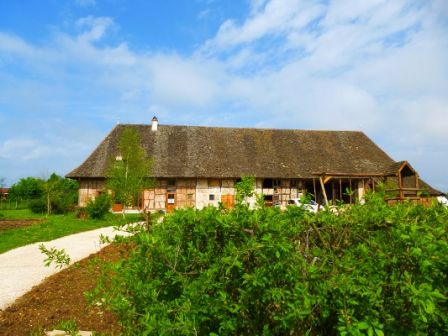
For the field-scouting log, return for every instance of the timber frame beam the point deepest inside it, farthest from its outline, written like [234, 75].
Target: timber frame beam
[325, 177]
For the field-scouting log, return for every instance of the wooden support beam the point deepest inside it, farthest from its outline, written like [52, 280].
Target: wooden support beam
[351, 191]
[340, 189]
[323, 190]
[337, 174]
[333, 193]
[327, 178]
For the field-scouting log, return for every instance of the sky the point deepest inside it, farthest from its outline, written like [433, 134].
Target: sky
[70, 70]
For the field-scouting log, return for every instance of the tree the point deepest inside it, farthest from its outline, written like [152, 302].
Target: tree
[129, 173]
[245, 188]
[27, 189]
[56, 194]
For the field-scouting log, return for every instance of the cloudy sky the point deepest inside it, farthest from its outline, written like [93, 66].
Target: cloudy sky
[71, 69]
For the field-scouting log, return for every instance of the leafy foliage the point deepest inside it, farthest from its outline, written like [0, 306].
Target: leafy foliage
[61, 194]
[59, 257]
[128, 175]
[54, 195]
[38, 206]
[27, 188]
[374, 269]
[99, 207]
[245, 188]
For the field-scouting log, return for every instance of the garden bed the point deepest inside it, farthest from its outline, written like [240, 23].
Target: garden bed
[8, 224]
[61, 298]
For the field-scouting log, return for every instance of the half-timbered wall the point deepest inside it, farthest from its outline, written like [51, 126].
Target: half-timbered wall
[203, 192]
[279, 192]
[89, 189]
[208, 192]
[185, 193]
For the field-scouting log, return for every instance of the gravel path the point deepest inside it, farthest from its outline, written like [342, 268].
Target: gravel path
[23, 267]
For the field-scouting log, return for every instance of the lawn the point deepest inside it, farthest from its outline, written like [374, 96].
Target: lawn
[19, 214]
[53, 227]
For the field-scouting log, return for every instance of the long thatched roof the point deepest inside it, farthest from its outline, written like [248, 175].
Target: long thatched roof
[192, 151]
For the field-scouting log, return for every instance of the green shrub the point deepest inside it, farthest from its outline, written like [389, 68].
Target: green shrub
[38, 206]
[81, 213]
[99, 207]
[57, 206]
[374, 269]
[62, 206]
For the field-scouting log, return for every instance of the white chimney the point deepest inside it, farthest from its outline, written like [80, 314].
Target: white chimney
[154, 124]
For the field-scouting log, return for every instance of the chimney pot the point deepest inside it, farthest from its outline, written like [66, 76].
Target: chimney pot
[154, 124]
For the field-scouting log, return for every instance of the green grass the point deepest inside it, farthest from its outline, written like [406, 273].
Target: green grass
[20, 214]
[13, 205]
[54, 227]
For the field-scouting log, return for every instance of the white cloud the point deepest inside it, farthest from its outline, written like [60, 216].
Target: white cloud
[267, 18]
[22, 149]
[14, 45]
[96, 26]
[183, 81]
[377, 66]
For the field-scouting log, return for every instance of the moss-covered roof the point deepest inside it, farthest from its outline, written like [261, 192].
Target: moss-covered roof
[192, 151]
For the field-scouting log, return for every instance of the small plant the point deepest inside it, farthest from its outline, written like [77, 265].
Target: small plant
[99, 207]
[38, 331]
[69, 326]
[59, 257]
[81, 213]
[245, 188]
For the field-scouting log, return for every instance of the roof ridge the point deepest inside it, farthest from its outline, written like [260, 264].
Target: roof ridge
[249, 128]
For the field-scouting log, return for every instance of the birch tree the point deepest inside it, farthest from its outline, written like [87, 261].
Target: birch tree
[129, 172]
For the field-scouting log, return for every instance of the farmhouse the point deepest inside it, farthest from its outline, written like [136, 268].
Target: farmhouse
[199, 166]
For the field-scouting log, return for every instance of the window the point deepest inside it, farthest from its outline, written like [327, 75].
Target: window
[267, 183]
[211, 197]
[171, 199]
[171, 184]
[268, 200]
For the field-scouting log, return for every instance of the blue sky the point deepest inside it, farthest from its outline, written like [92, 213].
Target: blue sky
[71, 69]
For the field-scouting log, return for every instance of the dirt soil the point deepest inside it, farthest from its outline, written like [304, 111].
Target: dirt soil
[61, 298]
[7, 224]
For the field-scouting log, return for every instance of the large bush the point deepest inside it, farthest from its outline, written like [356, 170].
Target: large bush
[374, 269]
[99, 207]
[38, 206]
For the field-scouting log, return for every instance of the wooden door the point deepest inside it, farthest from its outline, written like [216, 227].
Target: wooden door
[228, 201]
[170, 201]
